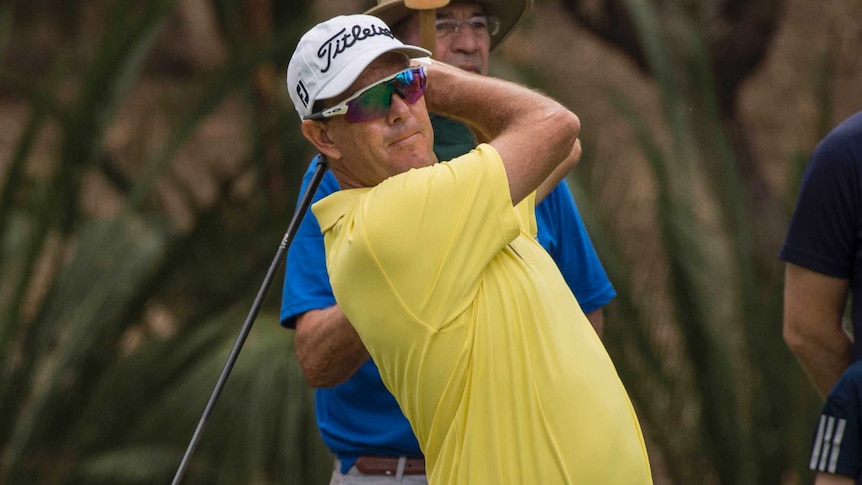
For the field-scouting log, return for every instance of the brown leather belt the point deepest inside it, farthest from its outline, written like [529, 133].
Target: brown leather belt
[384, 465]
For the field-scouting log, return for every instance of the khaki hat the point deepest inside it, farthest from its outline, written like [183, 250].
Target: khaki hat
[510, 13]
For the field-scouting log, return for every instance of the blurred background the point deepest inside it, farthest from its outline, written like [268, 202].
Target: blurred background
[149, 165]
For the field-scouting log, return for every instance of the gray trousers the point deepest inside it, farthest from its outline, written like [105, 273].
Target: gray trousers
[354, 476]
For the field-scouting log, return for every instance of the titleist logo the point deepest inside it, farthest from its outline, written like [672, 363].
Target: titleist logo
[343, 40]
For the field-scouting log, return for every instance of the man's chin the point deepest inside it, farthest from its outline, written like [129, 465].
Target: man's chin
[417, 159]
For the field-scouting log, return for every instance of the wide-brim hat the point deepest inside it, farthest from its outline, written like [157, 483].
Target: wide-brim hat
[509, 12]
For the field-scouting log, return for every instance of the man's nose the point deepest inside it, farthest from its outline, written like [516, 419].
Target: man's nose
[465, 40]
[398, 107]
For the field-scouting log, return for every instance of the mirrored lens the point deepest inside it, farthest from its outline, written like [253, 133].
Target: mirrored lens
[412, 86]
[375, 101]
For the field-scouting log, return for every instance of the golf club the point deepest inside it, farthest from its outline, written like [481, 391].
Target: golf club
[319, 171]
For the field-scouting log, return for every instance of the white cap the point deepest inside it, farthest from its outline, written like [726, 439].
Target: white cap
[331, 55]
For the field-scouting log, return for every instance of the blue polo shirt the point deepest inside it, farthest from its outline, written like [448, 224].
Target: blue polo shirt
[360, 417]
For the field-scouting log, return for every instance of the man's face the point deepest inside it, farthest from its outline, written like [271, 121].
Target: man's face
[374, 150]
[466, 49]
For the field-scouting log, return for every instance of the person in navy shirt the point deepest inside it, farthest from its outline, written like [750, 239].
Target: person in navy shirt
[823, 258]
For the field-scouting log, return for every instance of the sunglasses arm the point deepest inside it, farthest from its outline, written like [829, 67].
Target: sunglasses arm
[328, 113]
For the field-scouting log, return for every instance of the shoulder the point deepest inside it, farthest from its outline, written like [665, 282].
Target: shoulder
[853, 374]
[842, 146]
[335, 206]
[849, 128]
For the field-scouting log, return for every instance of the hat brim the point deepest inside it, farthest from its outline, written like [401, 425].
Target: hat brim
[510, 13]
[350, 72]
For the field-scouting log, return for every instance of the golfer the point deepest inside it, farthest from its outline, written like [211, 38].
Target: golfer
[437, 268]
[358, 419]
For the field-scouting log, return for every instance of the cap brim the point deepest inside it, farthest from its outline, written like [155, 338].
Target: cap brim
[351, 71]
[509, 13]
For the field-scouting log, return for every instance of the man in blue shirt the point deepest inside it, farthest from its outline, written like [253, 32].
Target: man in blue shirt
[358, 418]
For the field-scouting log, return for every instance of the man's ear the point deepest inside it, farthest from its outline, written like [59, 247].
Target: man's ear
[317, 132]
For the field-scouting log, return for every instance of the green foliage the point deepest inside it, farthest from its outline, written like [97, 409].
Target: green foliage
[90, 390]
[93, 391]
[711, 379]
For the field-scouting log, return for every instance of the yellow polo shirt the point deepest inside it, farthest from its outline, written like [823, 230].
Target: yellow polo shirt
[476, 333]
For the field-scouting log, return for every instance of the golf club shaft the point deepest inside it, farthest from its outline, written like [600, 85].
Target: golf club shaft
[252, 314]
[427, 31]
[427, 18]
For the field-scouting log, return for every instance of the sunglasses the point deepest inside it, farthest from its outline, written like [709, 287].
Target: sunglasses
[373, 102]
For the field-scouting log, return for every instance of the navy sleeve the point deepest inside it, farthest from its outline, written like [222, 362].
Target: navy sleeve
[835, 446]
[823, 230]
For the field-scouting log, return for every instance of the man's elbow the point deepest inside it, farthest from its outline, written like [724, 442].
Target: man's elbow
[803, 341]
[317, 370]
[566, 128]
[316, 381]
[795, 340]
[319, 377]
[574, 157]
[570, 125]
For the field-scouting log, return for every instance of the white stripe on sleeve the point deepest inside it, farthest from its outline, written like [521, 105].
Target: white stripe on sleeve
[836, 445]
[818, 443]
[827, 441]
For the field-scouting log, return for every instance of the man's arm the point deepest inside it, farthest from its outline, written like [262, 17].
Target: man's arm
[833, 479]
[327, 346]
[597, 320]
[813, 307]
[559, 173]
[532, 133]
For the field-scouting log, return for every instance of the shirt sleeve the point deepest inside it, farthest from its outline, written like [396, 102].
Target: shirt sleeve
[836, 441]
[823, 229]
